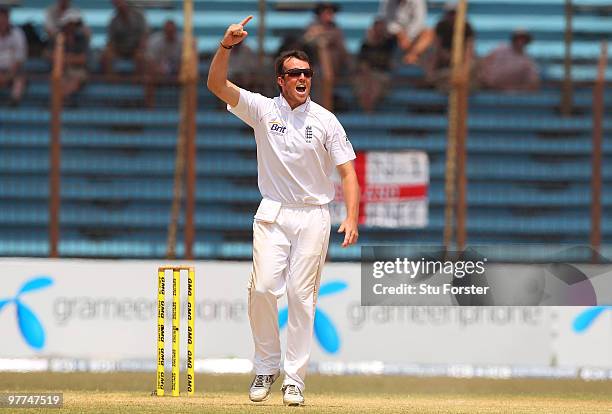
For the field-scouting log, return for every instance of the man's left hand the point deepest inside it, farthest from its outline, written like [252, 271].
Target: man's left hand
[351, 233]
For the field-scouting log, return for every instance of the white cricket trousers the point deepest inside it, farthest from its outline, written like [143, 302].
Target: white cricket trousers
[288, 256]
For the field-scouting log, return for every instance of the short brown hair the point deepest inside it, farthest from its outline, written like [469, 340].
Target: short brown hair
[279, 63]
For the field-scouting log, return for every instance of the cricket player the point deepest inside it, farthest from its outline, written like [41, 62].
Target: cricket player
[298, 145]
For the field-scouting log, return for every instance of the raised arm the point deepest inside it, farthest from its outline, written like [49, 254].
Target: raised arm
[217, 74]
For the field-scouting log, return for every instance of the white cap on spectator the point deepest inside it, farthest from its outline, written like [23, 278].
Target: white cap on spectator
[70, 16]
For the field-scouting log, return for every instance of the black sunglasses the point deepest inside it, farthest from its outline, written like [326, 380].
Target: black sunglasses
[296, 73]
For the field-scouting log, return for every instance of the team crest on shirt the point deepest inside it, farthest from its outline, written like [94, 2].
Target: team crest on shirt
[308, 134]
[277, 128]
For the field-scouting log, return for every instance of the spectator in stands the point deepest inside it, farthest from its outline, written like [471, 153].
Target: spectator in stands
[325, 36]
[127, 37]
[331, 59]
[438, 60]
[76, 49]
[13, 53]
[243, 67]
[164, 50]
[53, 16]
[509, 68]
[164, 53]
[374, 65]
[406, 19]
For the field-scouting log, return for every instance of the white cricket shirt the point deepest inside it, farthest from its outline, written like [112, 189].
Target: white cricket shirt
[297, 150]
[13, 48]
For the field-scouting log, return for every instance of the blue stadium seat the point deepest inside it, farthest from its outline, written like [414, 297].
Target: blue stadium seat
[528, 167]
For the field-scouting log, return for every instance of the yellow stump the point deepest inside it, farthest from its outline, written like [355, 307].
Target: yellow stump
[161, 291]
[176, 309]
[176, 325]
[190, 332]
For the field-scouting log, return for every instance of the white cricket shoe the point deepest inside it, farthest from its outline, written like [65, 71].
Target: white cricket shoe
[260, 387]
[292, 396]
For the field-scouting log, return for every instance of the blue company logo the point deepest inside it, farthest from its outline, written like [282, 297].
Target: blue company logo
[585, 319]
[29, 325]
[277, 128]
[325, 331]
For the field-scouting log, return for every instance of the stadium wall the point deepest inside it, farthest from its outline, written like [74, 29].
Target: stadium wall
[101, 315]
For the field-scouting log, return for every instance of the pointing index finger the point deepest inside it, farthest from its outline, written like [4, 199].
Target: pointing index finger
[246, 20]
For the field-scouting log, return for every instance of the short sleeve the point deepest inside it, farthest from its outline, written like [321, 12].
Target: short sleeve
[338, 145]
[250, 107]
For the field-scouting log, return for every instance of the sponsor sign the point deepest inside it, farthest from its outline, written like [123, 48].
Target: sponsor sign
[106, 310]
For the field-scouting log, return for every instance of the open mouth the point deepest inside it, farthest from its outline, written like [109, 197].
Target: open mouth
[301, 88]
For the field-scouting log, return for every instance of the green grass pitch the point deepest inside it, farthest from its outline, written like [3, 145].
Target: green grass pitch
[131, 393]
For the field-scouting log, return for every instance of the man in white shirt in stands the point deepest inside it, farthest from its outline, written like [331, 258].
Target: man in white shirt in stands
[13, 53]
[298, 145]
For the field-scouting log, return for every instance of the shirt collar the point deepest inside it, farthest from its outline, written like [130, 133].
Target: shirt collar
[301, 108]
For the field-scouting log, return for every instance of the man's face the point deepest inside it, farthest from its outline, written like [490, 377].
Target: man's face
[69, 27]
[170, 31]
[327, 16]
[294, 83]
[519, 43]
